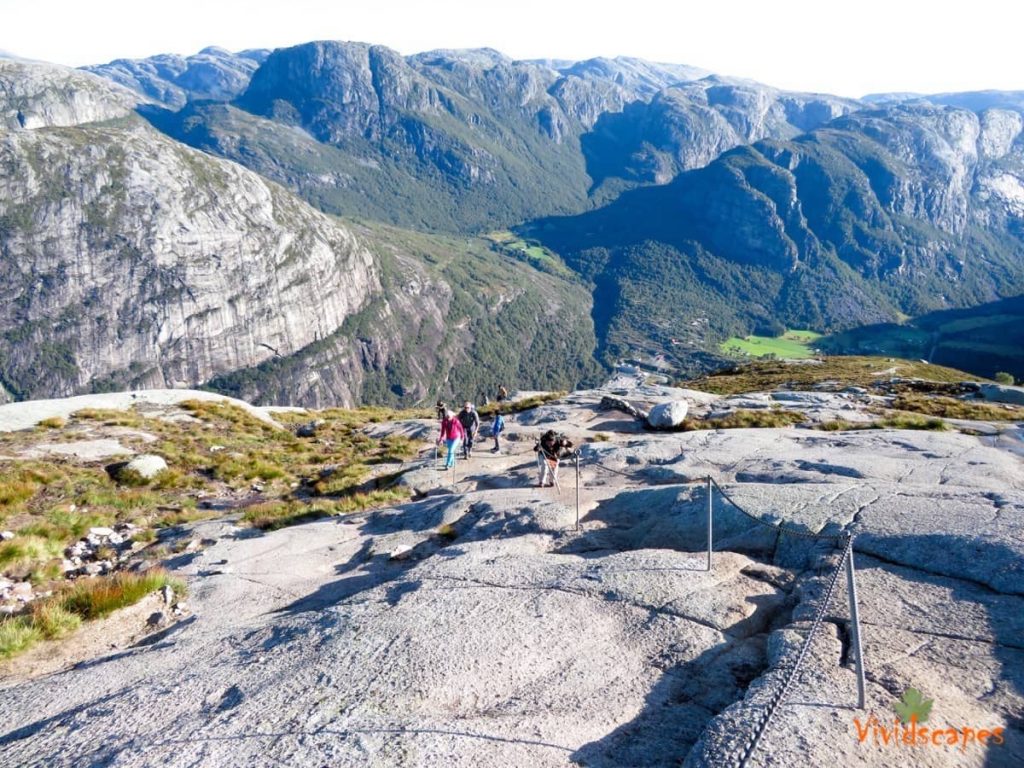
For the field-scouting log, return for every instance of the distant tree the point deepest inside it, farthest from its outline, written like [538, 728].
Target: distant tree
[1003, 377]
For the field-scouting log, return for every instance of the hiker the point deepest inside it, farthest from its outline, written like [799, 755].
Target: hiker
[497, 427]
[440, 408]
[551, 447]
[502, 394]
[452, 434]
[470, 421]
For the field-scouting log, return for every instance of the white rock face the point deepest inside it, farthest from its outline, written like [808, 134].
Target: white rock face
[668, 415]
[133, 258]
[45, 96]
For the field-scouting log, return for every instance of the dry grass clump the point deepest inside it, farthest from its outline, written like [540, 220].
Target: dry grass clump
[510, 406]
[54, 422]
[62, 613]
[952, 408]
[95, 598]
[746, 419]
[831, 372]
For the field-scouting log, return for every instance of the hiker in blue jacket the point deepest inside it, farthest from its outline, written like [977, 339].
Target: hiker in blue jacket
[497, 427]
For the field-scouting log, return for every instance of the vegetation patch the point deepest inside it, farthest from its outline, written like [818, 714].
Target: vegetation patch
[746, 419]
[516, 406]
[792, 345]
[823, 373]
[95, 598]
[60, 614]
[952, 408]
[222, 452]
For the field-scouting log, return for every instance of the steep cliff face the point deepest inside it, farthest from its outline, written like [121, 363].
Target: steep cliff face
[129, 258]
[172, 80]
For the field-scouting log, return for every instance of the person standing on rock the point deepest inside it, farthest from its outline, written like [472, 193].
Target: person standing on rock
[502, 394]
[497, 427]
[452, 434]
[551, 447]
[470, 421]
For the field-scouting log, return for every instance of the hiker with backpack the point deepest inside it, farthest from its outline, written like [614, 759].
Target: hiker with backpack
[452, 434]
[497, 427]
[551, 448]
[470, 421]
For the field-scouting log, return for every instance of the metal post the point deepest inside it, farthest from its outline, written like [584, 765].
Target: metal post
[851, 588]
[710, 511]
[577, 490]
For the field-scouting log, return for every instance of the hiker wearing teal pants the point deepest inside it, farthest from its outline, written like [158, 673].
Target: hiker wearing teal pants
[452, 434]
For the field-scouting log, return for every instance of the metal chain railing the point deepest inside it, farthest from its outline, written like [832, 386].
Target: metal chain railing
[844, 539]
[781, 527]
[776, 699]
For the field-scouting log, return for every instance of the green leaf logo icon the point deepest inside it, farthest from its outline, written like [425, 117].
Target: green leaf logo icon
[914, 706]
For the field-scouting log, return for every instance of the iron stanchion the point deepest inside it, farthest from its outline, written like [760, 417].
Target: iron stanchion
[577, 457]
[710, 514]
[851, 588]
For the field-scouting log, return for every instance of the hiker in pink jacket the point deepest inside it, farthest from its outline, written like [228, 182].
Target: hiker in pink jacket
[452, 434]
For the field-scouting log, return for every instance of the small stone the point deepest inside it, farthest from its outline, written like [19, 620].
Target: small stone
[93, 569]
[21, 589]
[6, 535]
[67, 566]
[115, 538]
[216, 448]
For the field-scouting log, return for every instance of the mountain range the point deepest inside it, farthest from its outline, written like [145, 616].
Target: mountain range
[326, 223]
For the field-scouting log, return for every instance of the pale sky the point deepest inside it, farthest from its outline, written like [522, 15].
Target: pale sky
[845, 48]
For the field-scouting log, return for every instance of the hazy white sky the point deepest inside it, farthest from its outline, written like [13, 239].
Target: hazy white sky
[847, 48]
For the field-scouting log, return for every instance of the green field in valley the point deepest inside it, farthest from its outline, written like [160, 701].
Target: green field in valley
[793, 344]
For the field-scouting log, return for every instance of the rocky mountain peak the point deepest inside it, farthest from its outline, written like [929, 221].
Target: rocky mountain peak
[36, 95]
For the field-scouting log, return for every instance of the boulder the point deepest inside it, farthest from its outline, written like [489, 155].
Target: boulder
[668, 415]
[1003, 393]
[146, 467]
[6, 535]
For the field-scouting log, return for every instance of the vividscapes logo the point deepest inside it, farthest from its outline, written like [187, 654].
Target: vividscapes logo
[907, 730]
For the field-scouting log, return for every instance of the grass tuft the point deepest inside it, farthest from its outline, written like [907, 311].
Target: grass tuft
[17, 635]
[95, 598]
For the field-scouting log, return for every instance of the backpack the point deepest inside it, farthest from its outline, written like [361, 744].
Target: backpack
[499, 424]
